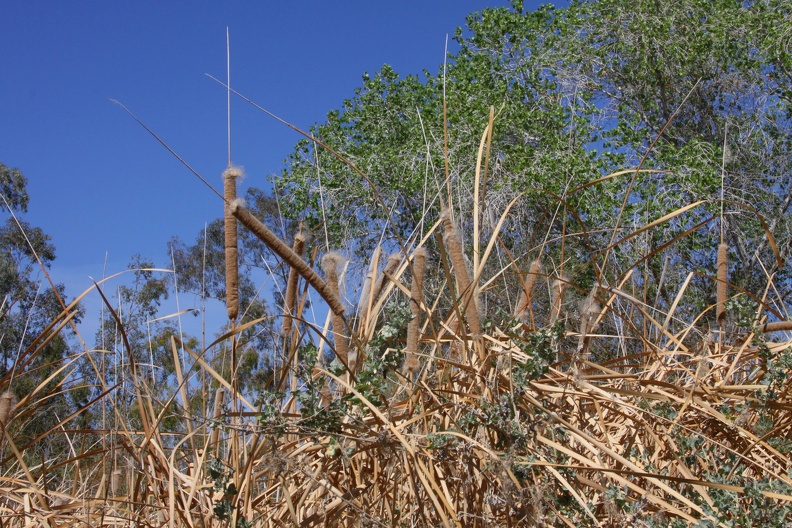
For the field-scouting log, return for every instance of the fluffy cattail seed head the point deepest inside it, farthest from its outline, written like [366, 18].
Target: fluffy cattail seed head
[411, 364]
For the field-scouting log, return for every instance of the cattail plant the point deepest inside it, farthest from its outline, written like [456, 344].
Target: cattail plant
[264, 234]
[411, 363]
[230, 176]
[722, 265]
[524, 304]
[8, 403]
[452, 238]
[330, 263]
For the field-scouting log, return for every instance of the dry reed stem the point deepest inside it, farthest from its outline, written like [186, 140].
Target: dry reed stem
[264, 234]
[524, 304]
[452, 238]
[394, 260]
[330, 263]
[230, 176]
[722, 268]
[411, 362]
[368, 283]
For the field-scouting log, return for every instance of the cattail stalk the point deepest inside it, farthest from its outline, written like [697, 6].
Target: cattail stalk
[411, 363]
[557, 293]
[230, 176]
[452, 238]
[524, 304]
[722, 265]
[264, 234]
[330, 263]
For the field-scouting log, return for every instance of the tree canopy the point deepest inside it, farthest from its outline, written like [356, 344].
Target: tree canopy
[697, 91]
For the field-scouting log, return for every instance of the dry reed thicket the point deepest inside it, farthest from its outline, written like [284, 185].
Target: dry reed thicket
[433, 416]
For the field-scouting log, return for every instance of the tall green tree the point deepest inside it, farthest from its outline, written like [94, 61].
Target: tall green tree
[700, 89]
[27, 306]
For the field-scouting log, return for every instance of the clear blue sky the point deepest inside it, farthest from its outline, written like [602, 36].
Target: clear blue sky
[99, 184]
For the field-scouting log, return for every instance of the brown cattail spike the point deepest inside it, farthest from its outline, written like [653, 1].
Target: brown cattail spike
[411, 363]
[230, 176]
[524, 304]
[723, 282]
[330, 263]
[8, 403]
[452, 238]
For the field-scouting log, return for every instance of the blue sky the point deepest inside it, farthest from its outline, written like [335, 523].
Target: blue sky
[99, 185]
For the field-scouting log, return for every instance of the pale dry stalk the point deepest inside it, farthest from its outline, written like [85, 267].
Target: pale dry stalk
[365, 294]
[390, 267]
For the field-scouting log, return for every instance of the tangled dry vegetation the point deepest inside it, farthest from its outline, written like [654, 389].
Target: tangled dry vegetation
[439, 414]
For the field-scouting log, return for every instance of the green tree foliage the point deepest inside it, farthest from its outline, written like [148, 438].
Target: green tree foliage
[701, 88]
[27, 307]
